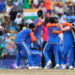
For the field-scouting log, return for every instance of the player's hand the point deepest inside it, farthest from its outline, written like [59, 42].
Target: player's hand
[53, 31]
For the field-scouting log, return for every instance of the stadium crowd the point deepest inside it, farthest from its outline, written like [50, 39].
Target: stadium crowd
[12, 20]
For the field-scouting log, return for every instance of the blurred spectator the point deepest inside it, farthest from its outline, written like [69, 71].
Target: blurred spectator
[70, 11]
[59, 9]
[66, 6]
[21, 15]
[28, 22]
[6, 24]
[7, 5]
[18, 21]
[36, 2]
[10, 48]
[17, 5]
[47, 4]
[55, 2]
[7, 39]
[1, 35]
[33, 6]
[60, 18]
[58, 2]
[16, 2]
[26, 4]
[2, 5]
[8, 10]
[43, 8]
[22, 26]
[12, 14]
[3, 14]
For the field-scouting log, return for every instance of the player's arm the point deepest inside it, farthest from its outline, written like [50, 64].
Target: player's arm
[68, 24]
[52, 24]
[56, 31]
[33, 39]
[35, 28]
[66, 28]
[38, 24]
[38, 45]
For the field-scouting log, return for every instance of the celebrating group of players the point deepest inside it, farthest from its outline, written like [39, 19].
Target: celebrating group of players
[34, 54]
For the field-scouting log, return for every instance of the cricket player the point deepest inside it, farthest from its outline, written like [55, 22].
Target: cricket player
[38, 27]
[59, 45]
[67, 44]
[52, 42]
[20, 41]
[73, 33]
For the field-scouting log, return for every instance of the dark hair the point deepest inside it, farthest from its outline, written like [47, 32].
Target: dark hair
[39, 13]
[5, 17]
[51, 19]
[31, 25]
[46, 20]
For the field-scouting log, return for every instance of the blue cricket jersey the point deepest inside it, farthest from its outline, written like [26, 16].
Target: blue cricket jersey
[38, 31]
[22, 35]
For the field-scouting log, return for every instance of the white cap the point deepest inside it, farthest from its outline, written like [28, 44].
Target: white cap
[0, 27]
[8, 34]
[28, 22]
[18, 14]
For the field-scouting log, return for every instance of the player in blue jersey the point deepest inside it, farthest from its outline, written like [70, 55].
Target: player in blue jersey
[35, 54]
[73, 33]
[20, 41]
[67, 44]
[38, 27]
[59, 45]
[52, 42]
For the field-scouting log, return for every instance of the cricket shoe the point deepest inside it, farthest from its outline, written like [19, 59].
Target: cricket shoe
[37, 67]
[48, 63]
[63, 67]
[17, 68]
[57, 66]
[71, 67]
[33, 68]
[46, 67]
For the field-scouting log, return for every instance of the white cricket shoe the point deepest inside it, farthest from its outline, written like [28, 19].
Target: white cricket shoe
[46, 67]
[33, 68]
[57, 66]
[63, 67]
[48, 63]
[71, 67]
[17, 68]
[37, 67]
